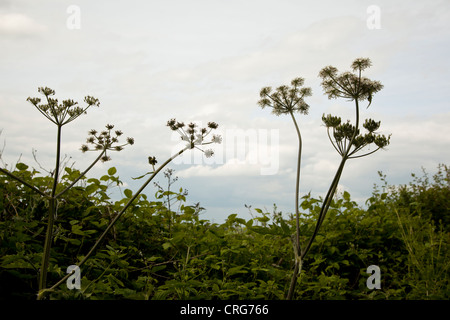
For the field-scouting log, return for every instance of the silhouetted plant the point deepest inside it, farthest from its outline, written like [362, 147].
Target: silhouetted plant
[104, 141]
[61, 114]
[345, 137]
[287, 100]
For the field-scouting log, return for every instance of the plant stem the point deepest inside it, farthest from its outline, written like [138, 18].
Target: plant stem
[297, 249]
[111, 224]
[51, 218]
[331, 191]
[325, 206]
[81, 175]
[9, 174]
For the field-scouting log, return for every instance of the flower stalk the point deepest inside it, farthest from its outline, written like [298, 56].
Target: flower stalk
[61, 114]
[345, 138]
[287, 100]
[194, 141]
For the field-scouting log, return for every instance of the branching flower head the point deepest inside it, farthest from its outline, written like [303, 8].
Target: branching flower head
[346, 138]
[105, 141]
[286, 99]
[341, 135]
[350, 85]
[195, 136]
[60, 113]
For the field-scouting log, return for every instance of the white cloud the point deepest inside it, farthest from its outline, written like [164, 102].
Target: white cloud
[147, 66]
[18, 24]
[233, 167]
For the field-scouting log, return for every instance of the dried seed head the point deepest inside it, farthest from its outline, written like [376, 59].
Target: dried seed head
[209, 153]
[286, 99]
[130, 141]
[212, 125]
[349, 85]
[105, 158]
[331, 121]
[152, 160]
[216, 139]
[371, 125]
[172, 124]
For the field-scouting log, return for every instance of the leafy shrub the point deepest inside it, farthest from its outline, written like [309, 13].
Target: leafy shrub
[157, 253]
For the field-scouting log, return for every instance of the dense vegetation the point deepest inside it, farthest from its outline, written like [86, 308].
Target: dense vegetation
[155, 252]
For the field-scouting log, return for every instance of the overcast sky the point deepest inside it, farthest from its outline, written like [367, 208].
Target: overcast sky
[149, 61]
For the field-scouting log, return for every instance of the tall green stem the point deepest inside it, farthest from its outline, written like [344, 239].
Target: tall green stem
[297, 249]
[51, 217]
[325, 206]
[331, 191]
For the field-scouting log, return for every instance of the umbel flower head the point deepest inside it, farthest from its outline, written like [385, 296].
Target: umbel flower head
[346, 138]
[343, 132]
[60, 113]
[106, 140]
[350, 85]
[195, 136]
[286, 99]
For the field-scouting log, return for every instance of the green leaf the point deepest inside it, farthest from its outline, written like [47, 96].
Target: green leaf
[21, 166]
[128, 193]
[93, 180]
[112, 171]
[140, 177]
[158, 268]
[285, 227]
[75, 242]
[15, 262]
[263, 219]
[346, 196]
[91, 188]
[76, 229]
[236, 270]
[153, 258]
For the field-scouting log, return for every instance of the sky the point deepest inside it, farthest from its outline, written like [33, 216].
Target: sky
[200, 61]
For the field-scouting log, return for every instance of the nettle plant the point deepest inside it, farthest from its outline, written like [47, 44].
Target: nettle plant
[346, 138]
[104, 141]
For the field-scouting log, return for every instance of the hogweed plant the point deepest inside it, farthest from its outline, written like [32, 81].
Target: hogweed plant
[103, 142]
[196, 138]
[346, 138]
[61, 114]
[287, 100]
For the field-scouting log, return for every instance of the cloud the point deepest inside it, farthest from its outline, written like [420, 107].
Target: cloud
[18, 24]
[146, 68]
[233, 167]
